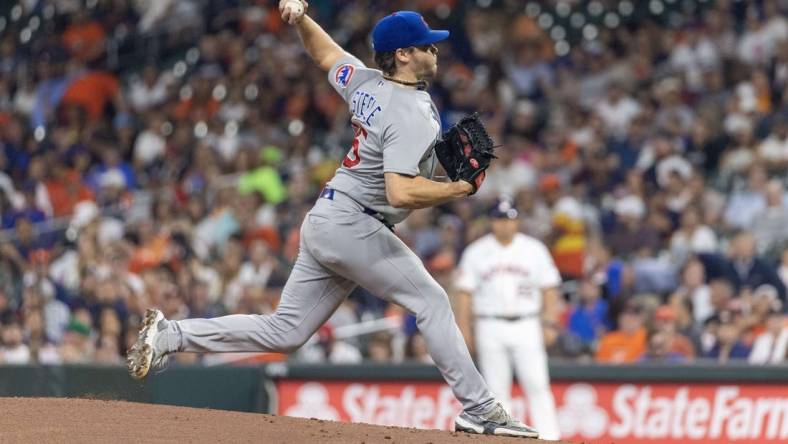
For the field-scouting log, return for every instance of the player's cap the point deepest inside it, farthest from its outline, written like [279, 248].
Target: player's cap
[404, 29]
[503, 209]
[766, 291]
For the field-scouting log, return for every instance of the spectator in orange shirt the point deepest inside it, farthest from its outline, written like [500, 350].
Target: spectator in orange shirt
[66, 189]
[153, 247]
[660, 349]
[84, 38]
[665, 322]
[628, 343]
[201, 105]
[93, 91]
[568, 229]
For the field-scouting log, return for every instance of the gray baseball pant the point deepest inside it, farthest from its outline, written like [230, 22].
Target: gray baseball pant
[340, 248]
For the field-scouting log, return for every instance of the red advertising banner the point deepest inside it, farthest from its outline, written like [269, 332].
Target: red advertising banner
[588, 412]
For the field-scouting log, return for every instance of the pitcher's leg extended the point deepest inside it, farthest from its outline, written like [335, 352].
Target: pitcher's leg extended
[312, 293]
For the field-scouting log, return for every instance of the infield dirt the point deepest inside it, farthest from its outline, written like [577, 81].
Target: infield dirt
[45, 420]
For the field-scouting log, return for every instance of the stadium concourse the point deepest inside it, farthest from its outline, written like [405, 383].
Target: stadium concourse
[62, 420]
[164, 153]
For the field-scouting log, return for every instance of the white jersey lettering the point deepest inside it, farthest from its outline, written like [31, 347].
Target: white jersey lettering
[507, 280]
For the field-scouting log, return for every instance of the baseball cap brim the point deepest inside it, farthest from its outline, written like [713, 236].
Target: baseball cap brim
[508, 213]
[434, 36]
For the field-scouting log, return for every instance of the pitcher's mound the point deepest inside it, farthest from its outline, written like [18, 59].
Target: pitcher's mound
[37, 420]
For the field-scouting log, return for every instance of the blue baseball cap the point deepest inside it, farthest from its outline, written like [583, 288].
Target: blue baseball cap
[404, 29]
[503, 208]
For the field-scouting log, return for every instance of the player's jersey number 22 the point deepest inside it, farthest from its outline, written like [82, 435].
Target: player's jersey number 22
[353, 158]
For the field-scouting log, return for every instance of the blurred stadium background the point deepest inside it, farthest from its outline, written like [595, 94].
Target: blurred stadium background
[163, 153]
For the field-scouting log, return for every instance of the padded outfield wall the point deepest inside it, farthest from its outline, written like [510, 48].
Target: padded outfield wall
[633, 404]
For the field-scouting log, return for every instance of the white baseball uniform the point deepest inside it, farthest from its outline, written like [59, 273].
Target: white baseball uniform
[506, 283]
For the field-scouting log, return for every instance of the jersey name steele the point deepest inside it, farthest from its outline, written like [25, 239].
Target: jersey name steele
[364, 106]
[499, 269]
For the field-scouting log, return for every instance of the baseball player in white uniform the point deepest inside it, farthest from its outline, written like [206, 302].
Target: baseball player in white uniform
[347, 237]
[507, 288]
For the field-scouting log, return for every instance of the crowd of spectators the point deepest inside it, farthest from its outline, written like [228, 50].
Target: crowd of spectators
[163, 153]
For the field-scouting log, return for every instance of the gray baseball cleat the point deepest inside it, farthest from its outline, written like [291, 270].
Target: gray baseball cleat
[494, 422]
[143, 354]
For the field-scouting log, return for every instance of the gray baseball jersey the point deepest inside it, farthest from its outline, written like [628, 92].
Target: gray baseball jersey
[341, 246]
[395, 130]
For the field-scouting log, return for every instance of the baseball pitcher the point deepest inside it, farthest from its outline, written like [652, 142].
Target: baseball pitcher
[503, 282]
[346, 238]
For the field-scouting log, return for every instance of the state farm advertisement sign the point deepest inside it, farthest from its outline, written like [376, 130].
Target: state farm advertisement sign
[591, 412]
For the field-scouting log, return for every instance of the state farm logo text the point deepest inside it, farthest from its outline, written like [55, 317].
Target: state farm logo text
[600, 412]
[639, 414]
[364, 403]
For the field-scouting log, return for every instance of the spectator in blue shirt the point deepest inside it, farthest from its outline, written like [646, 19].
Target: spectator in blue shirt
[30, 212]
[112, 164]
[588, 319]
[728, 344]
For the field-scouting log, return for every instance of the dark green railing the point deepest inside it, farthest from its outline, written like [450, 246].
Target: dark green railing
[252, 389]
